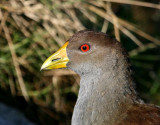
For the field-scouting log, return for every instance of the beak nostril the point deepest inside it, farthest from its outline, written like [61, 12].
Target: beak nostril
[55, 59]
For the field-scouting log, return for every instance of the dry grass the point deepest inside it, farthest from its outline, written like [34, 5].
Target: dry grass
[58, 22]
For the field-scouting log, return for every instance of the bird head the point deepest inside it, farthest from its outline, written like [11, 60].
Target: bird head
[86, 52]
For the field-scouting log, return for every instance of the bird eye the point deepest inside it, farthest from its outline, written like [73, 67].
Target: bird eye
[84, 47]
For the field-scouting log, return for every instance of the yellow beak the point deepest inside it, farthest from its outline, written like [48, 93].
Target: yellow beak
[57, 60]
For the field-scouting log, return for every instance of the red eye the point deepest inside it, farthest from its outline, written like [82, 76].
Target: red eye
[85, 47]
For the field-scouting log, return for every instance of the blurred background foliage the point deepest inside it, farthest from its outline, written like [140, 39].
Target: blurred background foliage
[31, 30]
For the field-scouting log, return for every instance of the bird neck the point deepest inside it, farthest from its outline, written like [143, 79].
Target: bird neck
[104, 95]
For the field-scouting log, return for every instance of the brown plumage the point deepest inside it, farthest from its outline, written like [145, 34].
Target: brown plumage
[142, 114]
[107, 95]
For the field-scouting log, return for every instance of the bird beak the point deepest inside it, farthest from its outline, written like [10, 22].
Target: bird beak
[57, 60]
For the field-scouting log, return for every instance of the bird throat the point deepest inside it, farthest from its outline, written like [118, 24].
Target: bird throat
[104, 97]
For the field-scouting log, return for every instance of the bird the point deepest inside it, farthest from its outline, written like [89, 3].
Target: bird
[107, 94]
